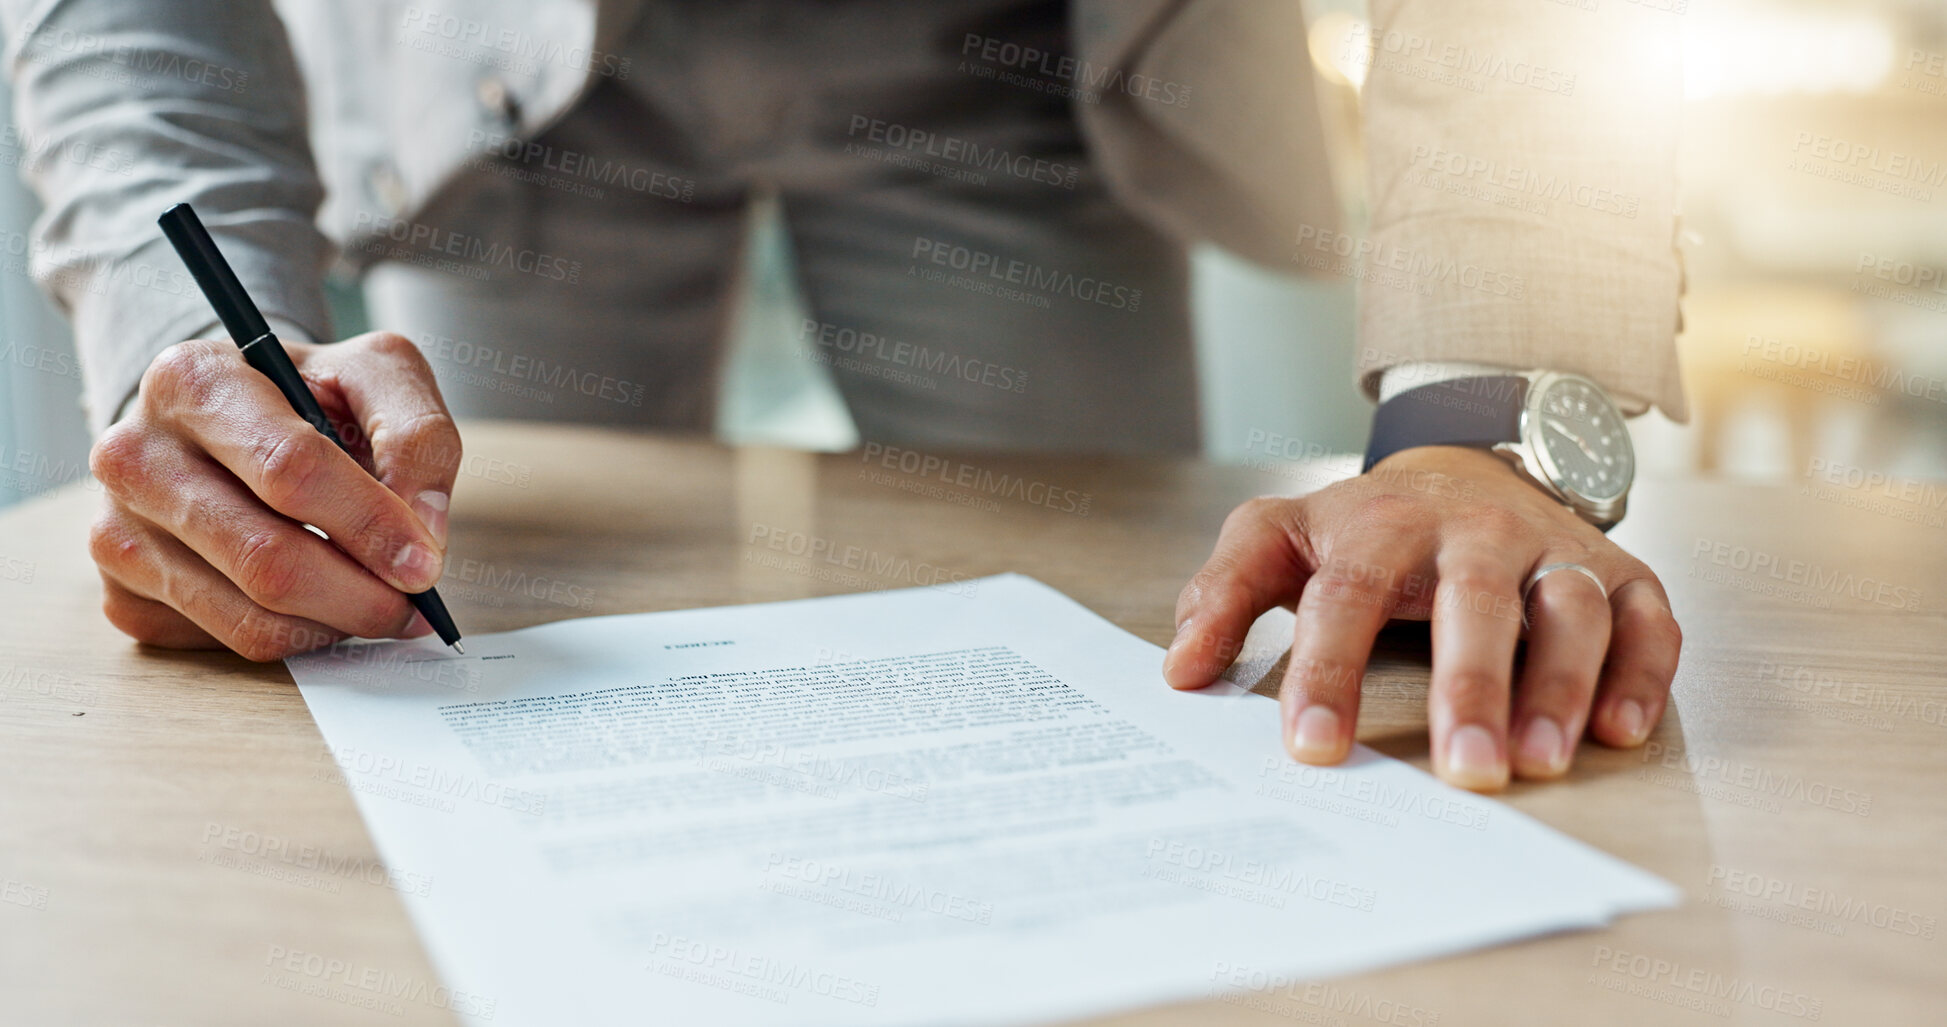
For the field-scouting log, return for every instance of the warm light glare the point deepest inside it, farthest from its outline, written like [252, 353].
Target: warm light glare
[1339, 44]
[1747, 50]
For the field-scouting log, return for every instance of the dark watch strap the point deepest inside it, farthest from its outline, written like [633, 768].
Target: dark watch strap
[1475, 411]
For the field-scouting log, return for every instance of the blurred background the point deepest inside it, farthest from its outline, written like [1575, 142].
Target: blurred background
[1815, 216]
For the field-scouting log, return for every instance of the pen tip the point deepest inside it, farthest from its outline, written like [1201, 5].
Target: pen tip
[458, 648]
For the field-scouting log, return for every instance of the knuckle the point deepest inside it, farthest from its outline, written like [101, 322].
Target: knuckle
[1347, 570]
[392, 344]
[1559, 689]
[372, 611]
[289, 464]
[1209, 579]
[175, 364]
[1481, 594]
[181, 374]
[117, 458]
[261, 637]
[201, 508]
[1496, 522]
[1211, 642]
[375, 534]
[1320, 676]
[1474, 688]
[1252, 511]
[130, 618]
[111, 544]
[269, 566]
[426, 445]
[1629, 571]
[1344, 581]
[1474, 575]
[1656, 625]
[1188, 599]
[381, 619]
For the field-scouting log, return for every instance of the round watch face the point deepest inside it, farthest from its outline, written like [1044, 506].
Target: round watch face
[1585, 438]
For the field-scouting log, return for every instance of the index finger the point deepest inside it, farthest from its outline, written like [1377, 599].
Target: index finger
[391, 393]
[1256, 565]
[240, 419]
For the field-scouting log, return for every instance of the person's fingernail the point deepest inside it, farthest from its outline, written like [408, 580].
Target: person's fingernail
[1472, 761]
[416, 567]
[1541, 746]
[1174, 655]
[1315, 735]
[416, 627]
[1631, 721]
[431, 508]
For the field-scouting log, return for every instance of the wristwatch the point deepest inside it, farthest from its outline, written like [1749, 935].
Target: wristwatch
[1559, 430]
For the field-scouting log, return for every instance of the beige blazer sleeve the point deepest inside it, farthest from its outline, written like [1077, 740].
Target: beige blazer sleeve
[1522, 183]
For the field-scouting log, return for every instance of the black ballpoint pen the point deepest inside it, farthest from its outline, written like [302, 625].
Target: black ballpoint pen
[262, 351]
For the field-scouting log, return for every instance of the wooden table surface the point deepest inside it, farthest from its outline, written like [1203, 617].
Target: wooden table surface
[172, 829]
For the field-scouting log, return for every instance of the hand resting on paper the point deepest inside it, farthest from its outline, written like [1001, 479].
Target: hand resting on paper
[1448, 534]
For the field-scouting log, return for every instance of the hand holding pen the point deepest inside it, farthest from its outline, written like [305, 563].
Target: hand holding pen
[212, 474]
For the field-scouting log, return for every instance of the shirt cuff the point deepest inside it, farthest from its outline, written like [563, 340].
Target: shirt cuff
[1415, 373]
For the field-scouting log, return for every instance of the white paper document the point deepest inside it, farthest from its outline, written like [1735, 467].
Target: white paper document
[969, 806]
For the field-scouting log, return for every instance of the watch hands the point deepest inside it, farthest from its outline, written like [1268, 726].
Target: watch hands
[1572, 437]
